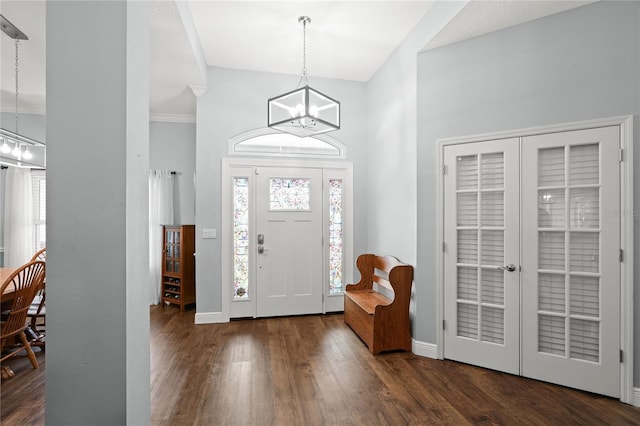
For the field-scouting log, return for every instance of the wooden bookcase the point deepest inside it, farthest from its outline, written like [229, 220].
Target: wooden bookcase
[178, 265]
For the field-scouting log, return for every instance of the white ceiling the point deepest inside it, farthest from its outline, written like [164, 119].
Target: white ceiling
[345, 40]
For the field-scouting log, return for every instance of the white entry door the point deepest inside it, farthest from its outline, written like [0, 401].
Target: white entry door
[482, 253]
[531, 264]
[289, 229]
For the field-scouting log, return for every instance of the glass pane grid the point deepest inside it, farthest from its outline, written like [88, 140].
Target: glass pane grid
[467, 283]
[584, 296]
[467, 172]
[492, 208]
[584, 340]
[584, 167]
[492, 170]
[467, 208]
[551, 293]
[584, 208]
[468, 246]
[492, 286]
[492, 324]
[551, 334]
[467, 319]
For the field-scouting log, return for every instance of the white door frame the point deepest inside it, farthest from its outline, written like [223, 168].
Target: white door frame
[331, 169]
[625, 210]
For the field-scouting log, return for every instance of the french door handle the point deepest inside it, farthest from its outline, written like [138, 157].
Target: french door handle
[510, 267]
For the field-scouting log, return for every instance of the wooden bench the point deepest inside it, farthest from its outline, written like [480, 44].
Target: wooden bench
[383, 324]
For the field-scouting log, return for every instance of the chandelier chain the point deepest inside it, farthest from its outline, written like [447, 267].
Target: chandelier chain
[304, 51]
[17, 62]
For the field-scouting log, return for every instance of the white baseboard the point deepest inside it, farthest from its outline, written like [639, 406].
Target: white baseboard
[427, 350]
[636, 397]
[208, 317]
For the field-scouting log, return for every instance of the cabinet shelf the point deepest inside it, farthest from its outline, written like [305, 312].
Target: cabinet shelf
[178, 265]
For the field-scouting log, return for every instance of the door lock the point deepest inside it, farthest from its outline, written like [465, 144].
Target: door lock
[260, 238]
[510, 267]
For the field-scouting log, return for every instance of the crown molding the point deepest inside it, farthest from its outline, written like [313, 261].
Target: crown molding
[42, 110]
[172, 118]
[24, 109]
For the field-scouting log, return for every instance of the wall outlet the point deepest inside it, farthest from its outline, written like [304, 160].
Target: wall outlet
[209, 233]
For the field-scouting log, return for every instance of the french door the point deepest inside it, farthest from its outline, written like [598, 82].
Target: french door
[531, 262]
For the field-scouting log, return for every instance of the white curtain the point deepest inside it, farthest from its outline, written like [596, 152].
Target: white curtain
[18, 217]
[160, 213]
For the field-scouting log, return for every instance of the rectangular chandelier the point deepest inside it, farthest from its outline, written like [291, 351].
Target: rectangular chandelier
[20, 151]
[304, 112]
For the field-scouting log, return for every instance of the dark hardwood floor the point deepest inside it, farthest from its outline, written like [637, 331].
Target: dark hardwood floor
[312, 370]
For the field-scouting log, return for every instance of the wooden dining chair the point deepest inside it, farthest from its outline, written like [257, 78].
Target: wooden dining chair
[37, 312]
[21, 287]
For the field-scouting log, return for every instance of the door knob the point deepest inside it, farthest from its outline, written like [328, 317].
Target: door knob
[510, 267]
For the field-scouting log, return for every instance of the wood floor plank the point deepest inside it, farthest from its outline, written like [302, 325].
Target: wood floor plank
[313, 370]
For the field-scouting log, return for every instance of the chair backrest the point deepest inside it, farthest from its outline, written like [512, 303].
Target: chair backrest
[40, 255]
[23, 285]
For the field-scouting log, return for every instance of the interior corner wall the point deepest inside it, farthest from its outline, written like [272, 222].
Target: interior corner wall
[390, 201]
[236, 102]
[577, 65]
[172, 146]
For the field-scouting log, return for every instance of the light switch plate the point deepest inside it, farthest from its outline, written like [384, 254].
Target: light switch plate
[209, 233]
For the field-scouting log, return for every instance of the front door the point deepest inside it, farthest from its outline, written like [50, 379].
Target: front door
[289, 260]
[531, 264]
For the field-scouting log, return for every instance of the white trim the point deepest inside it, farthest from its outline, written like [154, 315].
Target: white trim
[172, 118]
[440, 248]
[24, 109]
[209, 318]
[427, 350]
[235, 140]
[626, 231]
[627, 214]
[539, 130]
[636, 397]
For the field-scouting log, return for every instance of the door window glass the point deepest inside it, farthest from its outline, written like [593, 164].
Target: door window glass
[240, 238]
[289, 193]
[335, 236]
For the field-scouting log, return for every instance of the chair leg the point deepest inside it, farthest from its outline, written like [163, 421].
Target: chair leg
[30, 353]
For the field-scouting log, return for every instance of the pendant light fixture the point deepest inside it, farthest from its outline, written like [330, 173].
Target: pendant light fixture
[304, 111]
[15, 149]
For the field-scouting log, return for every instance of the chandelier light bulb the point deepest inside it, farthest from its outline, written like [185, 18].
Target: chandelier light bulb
[5, 149]
[17, 152]
[27, 155]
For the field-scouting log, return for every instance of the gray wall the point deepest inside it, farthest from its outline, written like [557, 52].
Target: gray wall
[172, 146]
[98, 367]
[235, 102]
[578, 65]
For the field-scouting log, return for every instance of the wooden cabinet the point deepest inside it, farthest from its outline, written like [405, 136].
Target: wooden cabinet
[178, 265]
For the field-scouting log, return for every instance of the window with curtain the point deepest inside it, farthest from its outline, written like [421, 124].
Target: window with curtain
[39, 195]
[161, 212]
